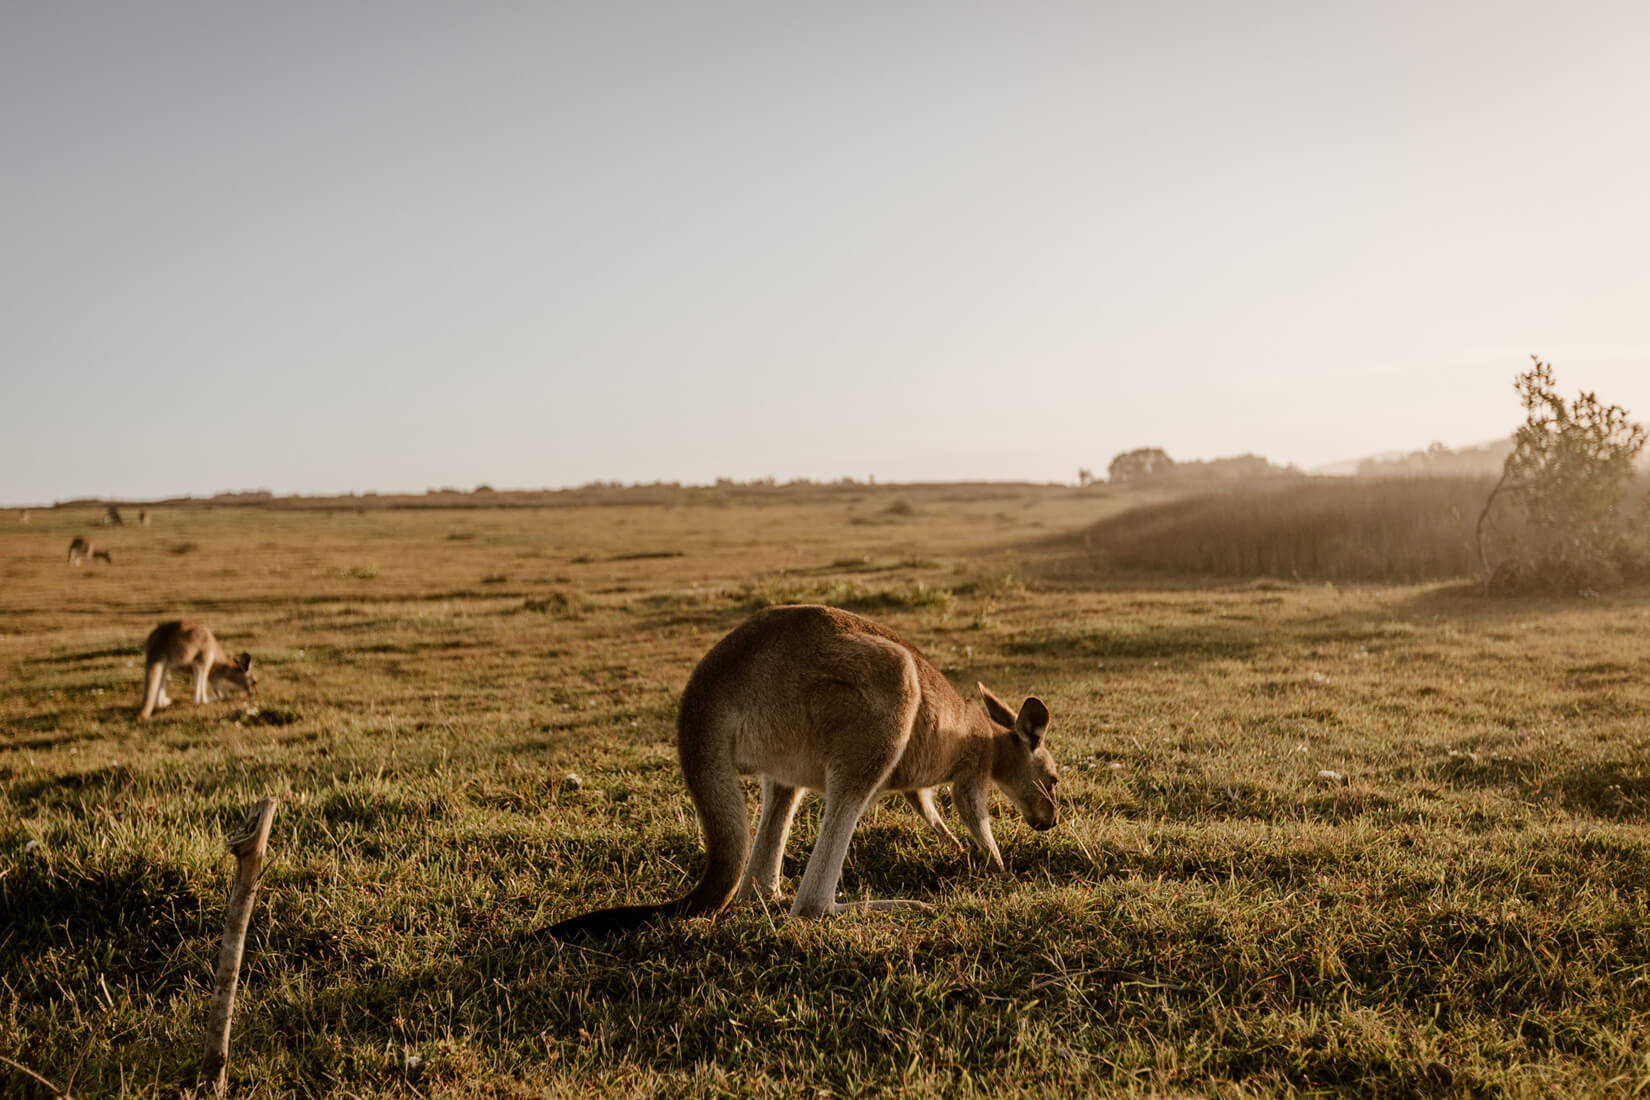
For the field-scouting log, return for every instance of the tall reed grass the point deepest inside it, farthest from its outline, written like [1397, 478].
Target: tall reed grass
[1337, 529]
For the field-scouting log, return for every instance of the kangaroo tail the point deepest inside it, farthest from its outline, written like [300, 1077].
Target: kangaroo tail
[154, 681]
[705, 745]
[604, 922]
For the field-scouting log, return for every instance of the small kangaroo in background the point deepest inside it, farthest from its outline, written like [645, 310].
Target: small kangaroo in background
[183, 644]
[81, 549]
[815, 697]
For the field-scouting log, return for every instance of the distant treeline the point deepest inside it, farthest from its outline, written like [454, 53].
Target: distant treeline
[1151, 467]
[594, 494]
[1439, 461]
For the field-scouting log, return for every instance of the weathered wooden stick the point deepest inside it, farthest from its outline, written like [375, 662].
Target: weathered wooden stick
[20, 1068]
[248, 845]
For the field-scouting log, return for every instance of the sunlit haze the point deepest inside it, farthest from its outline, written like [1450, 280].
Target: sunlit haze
[318, 247]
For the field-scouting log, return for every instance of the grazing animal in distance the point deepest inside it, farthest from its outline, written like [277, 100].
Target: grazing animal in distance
[143, 519]
[111, 517]
[82, 549]
[184, 644]
[815, 697]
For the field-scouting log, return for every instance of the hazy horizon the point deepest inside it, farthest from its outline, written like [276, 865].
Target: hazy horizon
[396, 247]
[1099, 472]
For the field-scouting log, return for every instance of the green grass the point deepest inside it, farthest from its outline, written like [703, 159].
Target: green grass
[1462, 913]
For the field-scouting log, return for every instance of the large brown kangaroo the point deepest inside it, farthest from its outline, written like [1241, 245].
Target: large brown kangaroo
[818, 698]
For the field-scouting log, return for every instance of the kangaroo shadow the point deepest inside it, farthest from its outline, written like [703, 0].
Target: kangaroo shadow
[51, 734]
[65, 727]
[73, 788]
[1615, 790]
[1199, 642]
[85, 655]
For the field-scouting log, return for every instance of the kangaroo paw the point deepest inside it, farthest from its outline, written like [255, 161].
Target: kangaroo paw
[881, 903]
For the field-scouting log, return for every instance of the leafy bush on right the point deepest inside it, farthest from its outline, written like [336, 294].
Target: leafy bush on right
[1562, 516]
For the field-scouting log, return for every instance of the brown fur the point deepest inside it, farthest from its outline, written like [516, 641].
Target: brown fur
[82, 549]
[183, 644]
[823, 699]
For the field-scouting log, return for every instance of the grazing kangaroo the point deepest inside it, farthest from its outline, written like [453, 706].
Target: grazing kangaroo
[810, 696]
[82, 550]
[183, 644]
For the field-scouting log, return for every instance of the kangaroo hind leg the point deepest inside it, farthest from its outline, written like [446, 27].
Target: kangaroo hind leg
[867, 732]
[816, 896]
[773, 826]
[154, 689]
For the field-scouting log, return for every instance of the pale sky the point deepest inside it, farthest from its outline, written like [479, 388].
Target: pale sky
[314, 247]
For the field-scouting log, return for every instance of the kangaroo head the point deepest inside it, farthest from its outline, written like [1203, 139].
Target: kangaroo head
[238, 672]
[1022, 767]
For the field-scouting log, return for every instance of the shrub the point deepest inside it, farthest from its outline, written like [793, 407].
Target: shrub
[1565, 488]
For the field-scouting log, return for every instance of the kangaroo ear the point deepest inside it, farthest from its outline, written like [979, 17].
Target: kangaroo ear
[995, 707]
[244, 660]
[1031, 723]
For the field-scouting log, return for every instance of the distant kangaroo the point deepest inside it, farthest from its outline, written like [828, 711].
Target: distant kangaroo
[815, 697]
[183, 644]
[82, 550]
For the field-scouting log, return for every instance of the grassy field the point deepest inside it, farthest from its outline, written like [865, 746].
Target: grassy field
[1357, 840]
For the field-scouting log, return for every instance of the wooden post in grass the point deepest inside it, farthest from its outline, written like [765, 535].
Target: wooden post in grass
[248, 845]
